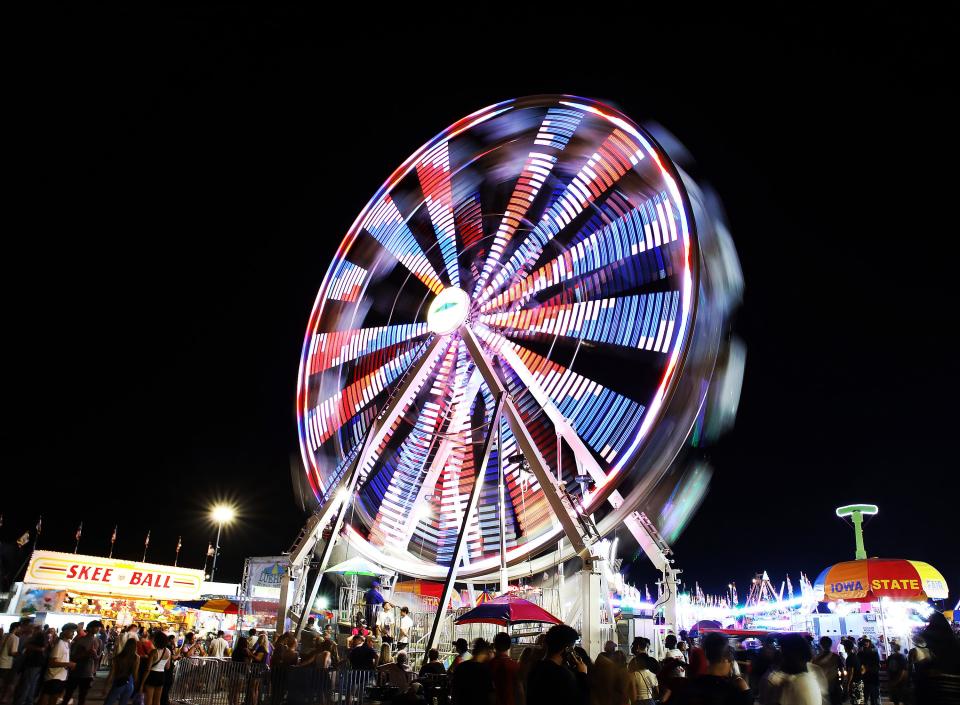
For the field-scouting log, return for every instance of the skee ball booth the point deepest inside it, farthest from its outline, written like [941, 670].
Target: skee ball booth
[66, 587]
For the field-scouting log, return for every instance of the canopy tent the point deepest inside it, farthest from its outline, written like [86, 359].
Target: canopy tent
[869, 579]
[228, 605]
[358, 565]
[506, 610]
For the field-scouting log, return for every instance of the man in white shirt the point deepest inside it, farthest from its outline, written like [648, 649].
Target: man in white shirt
[9, 645]
[406, 629]
[55, 677]
[218, 646]
[677, 666]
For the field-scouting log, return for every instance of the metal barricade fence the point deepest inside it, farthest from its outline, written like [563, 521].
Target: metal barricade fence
[213, 681]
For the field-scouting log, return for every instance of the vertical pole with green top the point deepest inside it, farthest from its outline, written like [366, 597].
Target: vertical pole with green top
[856, 512]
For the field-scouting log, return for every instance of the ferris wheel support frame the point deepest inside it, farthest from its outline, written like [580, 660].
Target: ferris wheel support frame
[338, 499]
[590, 584]
[445, 594]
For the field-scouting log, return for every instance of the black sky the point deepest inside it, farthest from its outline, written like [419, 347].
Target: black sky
[182, 179]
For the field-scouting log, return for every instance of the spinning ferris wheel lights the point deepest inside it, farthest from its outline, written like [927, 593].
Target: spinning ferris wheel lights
[503, 351]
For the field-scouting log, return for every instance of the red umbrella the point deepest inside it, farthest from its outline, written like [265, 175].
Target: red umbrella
[506, 610]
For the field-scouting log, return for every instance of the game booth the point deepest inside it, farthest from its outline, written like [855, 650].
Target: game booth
[67, 587]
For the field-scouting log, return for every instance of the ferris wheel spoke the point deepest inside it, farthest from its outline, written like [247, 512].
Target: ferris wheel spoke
[410, 480]
[328, 416]
[433, 170]
[597, 414]
[612, 320]
[637, 233]
[614, 158]
[388, 227]
[335, 348]
[555, 132]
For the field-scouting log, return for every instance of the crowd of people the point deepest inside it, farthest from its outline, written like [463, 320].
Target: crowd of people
[41, 666]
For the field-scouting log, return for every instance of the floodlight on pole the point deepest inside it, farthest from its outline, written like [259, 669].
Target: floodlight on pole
[856, 512]
[221, 514]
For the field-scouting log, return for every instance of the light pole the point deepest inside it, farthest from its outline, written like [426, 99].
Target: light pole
[221, 514]
[856, 512]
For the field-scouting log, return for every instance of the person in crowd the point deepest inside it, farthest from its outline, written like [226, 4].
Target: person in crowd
[472, 682]
[460, 648]
[897, 675]
[645, 685]
[385, 623]
[854, 668]
[328, 645]
[670, 644]
[123, 671]
[373, 601]
[504, 671]
[193, 647]
[718, 686]
[261, 649]
[764, 659]
[309, 636]
[610, 684]
[360, 627]
[362, 657]
[241, 651]
[238, 680]
[870, 659]
[58, 666]
[158, 661]
[260, 655]
[284, 657]
[218, 646]
[609, 649]
[405, 629]
[432, 665]
[938, 677]
[33, 649]
[396, 672]
[129, 632]
[560, 678]
[85, 652]
[793, 683]
[9, 647]
[673, 669]
[831, 665]
[144, 649]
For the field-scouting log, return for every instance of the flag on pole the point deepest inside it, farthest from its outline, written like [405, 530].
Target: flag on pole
[36, 536]
[209, 549]
[76, 546]
[146, 545]
[113, 540]
[177, 556]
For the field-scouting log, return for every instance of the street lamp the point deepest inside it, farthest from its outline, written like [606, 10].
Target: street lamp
[221, 514]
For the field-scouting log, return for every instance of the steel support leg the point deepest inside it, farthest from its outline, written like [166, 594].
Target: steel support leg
[480, 470]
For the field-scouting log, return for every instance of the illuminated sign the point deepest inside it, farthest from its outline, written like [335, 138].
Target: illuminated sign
[112, 576]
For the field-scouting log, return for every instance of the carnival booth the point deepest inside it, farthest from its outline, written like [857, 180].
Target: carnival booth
[67, 587]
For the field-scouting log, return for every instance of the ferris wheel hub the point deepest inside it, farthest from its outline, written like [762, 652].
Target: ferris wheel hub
[448, 311]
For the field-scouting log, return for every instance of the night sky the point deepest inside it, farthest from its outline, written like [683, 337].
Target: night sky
[181, 181]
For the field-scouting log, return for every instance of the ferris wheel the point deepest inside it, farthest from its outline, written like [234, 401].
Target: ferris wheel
[510, 345]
